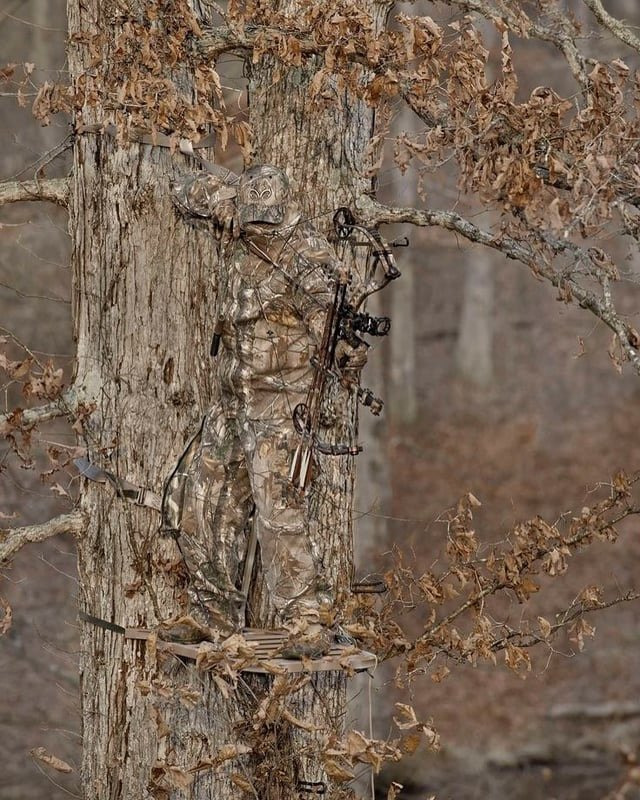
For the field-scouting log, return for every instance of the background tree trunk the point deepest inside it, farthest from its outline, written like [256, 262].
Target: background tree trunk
[474, 346]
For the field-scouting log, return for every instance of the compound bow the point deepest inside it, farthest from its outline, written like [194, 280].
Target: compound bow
[345, 321]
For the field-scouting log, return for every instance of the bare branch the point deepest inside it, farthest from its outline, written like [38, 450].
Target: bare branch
[14, 539]
[222, 39]
[65, 405]
[616, 26]
[375, 213]
[54, 190]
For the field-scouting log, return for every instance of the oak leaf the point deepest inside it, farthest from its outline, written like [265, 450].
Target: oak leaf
[41, 754]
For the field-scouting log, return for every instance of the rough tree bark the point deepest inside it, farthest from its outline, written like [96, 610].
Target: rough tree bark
[143, 295]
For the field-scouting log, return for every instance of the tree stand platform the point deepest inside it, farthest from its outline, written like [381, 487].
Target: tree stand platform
[260, 653]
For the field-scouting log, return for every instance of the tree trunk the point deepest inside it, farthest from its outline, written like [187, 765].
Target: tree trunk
[474, 348]
[404, 405]
[143, 294]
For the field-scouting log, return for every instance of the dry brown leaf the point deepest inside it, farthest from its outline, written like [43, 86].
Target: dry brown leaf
[222, 685]
[409, 744]
[189, 697]
[225, 753]
[304, 725]
[545, 627]
[242, 783]
[440, 674]
[177, 777]
[394, 790]
[7, 72]
[339, 772]
[41, 754]
[162, 728]
[407, 716]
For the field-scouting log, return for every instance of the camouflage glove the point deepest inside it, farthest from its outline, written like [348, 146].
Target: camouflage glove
[225, 216]
[350, 359]
[208, 196]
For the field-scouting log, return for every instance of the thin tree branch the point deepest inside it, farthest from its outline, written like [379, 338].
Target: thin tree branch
[616, 26]
[65, 405]
[567, 617]
[222, 39]
[14, 539]
[375, 213]
[54, 190]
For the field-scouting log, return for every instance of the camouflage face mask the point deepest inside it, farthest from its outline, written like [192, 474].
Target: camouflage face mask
[262, 195]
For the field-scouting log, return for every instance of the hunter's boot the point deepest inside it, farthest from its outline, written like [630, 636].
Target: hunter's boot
[312, 625]
[210, 618]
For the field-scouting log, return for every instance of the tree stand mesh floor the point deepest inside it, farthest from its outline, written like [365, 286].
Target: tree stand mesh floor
[263, 646]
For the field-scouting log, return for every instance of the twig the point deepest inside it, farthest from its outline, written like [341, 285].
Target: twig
[54, 190]
[568, 616]
[14, 539]
[616, 26]
[64, 405]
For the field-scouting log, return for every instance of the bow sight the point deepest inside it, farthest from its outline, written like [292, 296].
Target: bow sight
[361, 322]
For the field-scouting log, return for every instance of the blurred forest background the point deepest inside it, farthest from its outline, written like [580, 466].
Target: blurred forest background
[491, 386]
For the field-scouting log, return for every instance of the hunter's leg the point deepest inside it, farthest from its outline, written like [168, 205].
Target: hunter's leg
[214, 506]
[291, 571]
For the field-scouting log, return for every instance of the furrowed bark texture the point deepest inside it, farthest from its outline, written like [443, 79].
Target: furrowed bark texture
[143, 299]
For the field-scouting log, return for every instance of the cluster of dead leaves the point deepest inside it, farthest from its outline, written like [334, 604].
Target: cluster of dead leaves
[134, 74]
[340, 758]
[555, 163]
[455, 601]
[39, 381]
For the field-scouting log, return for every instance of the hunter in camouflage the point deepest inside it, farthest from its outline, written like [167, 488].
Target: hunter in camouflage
[274, 291]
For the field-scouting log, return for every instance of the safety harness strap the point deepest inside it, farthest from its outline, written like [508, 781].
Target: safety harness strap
[139, 495]
[101, 623]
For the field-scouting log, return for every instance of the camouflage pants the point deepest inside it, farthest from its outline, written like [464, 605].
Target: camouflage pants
[233, 475]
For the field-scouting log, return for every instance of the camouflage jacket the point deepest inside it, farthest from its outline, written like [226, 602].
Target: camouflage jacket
[274, 291]
[272, 313]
